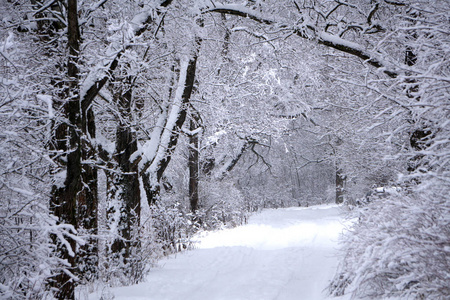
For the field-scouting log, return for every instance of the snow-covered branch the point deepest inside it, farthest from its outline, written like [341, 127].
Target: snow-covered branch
[100, 74]
[241, 11]
[313, 33]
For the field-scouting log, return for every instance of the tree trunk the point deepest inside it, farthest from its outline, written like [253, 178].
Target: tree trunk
[126, 198]
[340, 186]
[63, 201]
[419, 138]
[153, 171]
[76, 201]
[193, 163]
[87, 204]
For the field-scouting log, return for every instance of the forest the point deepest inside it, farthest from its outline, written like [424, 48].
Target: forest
[128, 126]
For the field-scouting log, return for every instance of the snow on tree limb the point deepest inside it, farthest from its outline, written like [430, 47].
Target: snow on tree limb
[156, 153]
[355, 49]
[241, 11]
[100, 74]
[172, 117]
[166, 132]
[232, 161]
[323, 38]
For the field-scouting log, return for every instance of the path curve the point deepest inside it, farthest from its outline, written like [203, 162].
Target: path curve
[280, 254]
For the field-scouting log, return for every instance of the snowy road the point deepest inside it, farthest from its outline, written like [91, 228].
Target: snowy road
[281, 254]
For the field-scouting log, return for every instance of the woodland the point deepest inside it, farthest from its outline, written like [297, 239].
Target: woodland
[127, 126]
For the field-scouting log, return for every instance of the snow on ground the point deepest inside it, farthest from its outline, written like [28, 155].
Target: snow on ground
[281, 254]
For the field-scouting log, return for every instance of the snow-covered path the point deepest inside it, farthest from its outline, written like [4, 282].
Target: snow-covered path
[281, 254]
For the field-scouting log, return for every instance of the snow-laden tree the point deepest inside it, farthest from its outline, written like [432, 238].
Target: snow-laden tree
[29, 62]
[402, 47]
[111, 85]
[69, 46]
[412, 223]
[398, 248]
[247, 101]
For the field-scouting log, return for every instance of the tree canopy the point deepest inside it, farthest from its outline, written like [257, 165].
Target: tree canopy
[127, 126]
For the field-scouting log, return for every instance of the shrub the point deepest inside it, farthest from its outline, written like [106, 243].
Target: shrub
[399, 247]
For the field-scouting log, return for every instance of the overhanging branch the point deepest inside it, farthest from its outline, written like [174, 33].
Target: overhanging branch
[323, 38]
[239, 11]
[95, 82]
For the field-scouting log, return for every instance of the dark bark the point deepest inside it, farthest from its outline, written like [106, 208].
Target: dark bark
[63, 202]
[373, 61]
[410, 57]
[76, 202]
[225, 48]
[233, 162]
[420, 138]
[340, 186]
[193, 162]
[82, 177]
[88, 201]
[188, 86]
[208, 164]
[239, 13]
[126, 184]
[151, 190]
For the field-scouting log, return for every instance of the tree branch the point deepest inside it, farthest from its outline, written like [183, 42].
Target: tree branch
[94, 81]
[323, 38]
[238, 10]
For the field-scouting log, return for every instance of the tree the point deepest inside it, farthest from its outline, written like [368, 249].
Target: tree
[33, 216]
[26, 260]
[193, 161]
[226, 91]
[382, 33]
[75, 202]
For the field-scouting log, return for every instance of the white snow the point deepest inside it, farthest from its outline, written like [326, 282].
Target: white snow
[49, 101]
[339, 41]
[281, 254]
[242, 9]
[158, 149]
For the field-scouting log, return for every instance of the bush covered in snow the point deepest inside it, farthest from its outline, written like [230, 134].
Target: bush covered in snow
[172, 226]
[400, 247]
[219, 208]
[26, 262]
